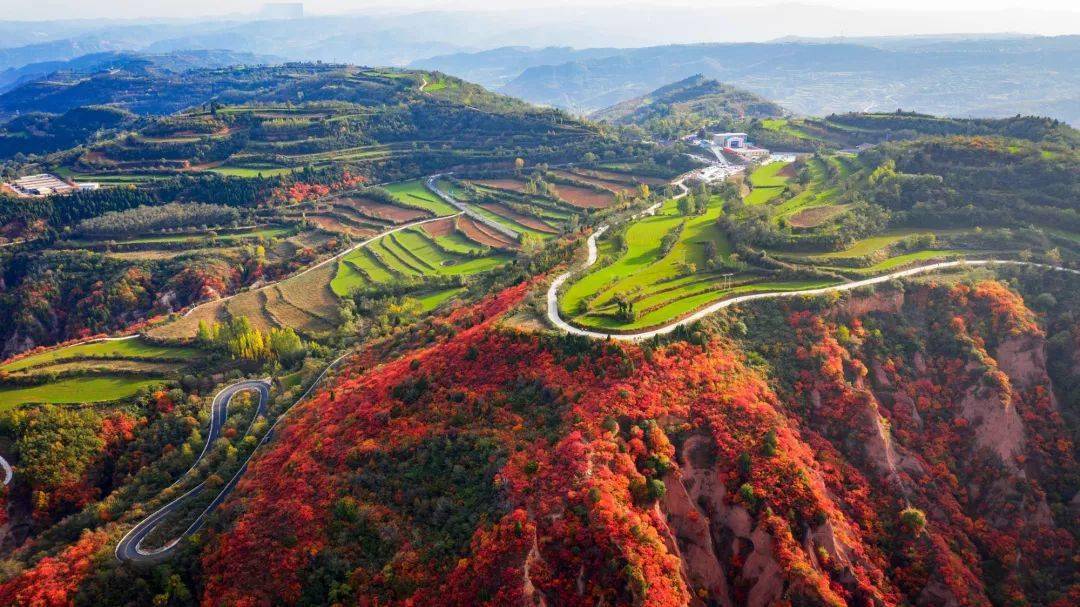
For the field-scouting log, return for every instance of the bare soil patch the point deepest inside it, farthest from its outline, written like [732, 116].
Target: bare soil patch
[815, 216]
[334, 224]
[476, 232]
[584, 197]
[624, 179]
[384, 211]
[503, 184]
[788, 171]
[525, 220]
[443, 227]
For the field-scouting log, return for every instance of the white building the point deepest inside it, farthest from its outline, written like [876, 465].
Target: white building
[46, 184]
[733, 141]
[41, 185]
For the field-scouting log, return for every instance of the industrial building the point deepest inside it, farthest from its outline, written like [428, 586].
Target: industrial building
[46, 184]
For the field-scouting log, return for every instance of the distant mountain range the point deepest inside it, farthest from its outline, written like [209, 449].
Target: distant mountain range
[958, 77]
[95, 62]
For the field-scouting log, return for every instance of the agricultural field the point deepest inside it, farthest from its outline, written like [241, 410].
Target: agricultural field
[309, 302]
[297, 121]
[92, 372]
[416, 193]
[412, 253]
[798, 210]
[651, 284]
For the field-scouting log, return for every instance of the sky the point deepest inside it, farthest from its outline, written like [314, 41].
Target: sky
[82, 9]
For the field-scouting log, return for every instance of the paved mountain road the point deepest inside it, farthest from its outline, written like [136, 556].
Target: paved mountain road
[130, 546]
[556, 320]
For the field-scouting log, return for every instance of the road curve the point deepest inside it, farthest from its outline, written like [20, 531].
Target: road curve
[8, 473]
[457, 204]
[556, 320]
[129, 548]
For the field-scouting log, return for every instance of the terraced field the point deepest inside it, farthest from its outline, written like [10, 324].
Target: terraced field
[416, 193]
[309, 302]
[412, 253]
[92, 372]
[657, 285]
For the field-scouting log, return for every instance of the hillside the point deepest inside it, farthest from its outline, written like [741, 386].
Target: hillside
[861, 459]
[688, 106]
[398, 122]
[34, 133]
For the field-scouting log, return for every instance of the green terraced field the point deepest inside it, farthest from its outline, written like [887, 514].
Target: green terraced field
[408, 253]
[654, 280]
[416, 193]
[767, 176]
[249, 172]
[128, 348]
[75, 390]
[873, 244]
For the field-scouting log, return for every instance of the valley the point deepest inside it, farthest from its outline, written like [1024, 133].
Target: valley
[404, 341]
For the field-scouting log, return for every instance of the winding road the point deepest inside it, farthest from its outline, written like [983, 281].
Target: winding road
[556, 319]
[130, 546]
[457, 204]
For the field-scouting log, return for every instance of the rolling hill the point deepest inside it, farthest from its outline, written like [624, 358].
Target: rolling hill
[689, 105]
[394, 122]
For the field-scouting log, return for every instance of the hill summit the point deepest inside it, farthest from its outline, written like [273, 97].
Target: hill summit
[688, 105]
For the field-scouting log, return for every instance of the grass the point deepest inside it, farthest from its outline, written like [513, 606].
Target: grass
[767, 175]
[683, 306]
[767, 182]
[416, 193]
[128, 348]
[75, 390]
[902, 260]
[456, 242]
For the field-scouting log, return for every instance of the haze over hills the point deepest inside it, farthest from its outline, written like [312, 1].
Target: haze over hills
[86, 65]
[959, 78]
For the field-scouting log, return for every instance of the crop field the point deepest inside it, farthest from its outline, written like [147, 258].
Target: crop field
[575, 196]
[654, 282]
[75, 390]
[413, 252]
[118, 349]
[483, 235]
[868, 246]
[416, 193]
[611, 179]
[309, 302]
[380, 211]
[193, 239]
[93, 372]
[585, 198]
[812, 217]
[240, 171]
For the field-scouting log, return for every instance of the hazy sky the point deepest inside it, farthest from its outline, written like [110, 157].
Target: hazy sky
[77, 9]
